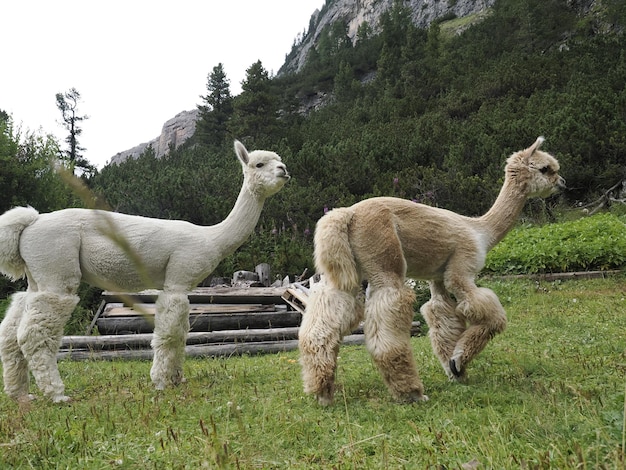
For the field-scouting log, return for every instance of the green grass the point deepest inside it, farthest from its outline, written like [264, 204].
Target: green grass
[547, 393]
[453, 27]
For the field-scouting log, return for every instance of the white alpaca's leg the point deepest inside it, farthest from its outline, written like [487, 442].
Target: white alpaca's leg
[14, 365]
[388, 318]
[171, 325]
[483, 310]
[39, 336]
[445, 326]
[329, 315]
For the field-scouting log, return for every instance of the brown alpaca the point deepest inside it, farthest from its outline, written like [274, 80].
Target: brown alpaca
[384, 240]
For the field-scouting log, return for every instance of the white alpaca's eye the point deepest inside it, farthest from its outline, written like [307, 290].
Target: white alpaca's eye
[260, 165]
[544, 170]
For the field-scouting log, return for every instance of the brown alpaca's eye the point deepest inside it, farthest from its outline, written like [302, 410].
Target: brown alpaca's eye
[260, 165]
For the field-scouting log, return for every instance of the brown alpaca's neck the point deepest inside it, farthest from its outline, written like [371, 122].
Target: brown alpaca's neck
[235, 229]
[503, 215]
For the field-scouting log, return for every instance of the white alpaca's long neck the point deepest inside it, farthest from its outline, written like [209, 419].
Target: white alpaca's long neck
[235, 229]
[503, 215]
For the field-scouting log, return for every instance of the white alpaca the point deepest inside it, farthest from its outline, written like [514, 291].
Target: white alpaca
[383, 240]
[56, 251]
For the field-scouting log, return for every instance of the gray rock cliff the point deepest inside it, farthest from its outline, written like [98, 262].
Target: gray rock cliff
[173, 134]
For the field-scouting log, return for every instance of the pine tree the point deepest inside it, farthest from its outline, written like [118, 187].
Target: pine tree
[216, 110]
[68, 105]
[256, 108]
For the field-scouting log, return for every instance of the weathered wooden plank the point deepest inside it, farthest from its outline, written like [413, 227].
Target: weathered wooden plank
[202, 322]
[223, 295]
[296, 298]
[119, 309]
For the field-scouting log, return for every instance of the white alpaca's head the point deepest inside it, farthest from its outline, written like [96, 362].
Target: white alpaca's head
[535, 171]
[264, 172]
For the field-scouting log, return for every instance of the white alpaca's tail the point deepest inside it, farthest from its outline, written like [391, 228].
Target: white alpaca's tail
[12, 224]
[333, 252]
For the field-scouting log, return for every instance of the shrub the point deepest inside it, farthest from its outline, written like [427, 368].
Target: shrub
[591, 243]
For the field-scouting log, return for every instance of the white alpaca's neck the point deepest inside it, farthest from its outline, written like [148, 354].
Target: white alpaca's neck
[503, 215]
[235, 229]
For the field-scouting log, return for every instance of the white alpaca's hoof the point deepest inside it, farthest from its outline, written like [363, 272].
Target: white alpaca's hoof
[26, 398]
[159, 385]
[61, 399]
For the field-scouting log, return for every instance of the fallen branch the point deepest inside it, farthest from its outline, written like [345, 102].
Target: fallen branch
[607, 198]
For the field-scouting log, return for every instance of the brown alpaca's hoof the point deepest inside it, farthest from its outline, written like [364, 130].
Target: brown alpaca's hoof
[325, 395]
[412, 397]
[324, 400]
[458, 372]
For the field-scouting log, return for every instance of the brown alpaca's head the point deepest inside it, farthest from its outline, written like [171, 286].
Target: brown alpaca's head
[535, 171]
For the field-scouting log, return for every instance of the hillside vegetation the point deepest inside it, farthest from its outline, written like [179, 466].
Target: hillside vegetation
[423, 114]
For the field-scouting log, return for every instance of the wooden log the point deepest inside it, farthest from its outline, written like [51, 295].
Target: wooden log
[559, 276]
[138, 341]
[208, 295]
[202, 322]
[215, 350]
[202, 350]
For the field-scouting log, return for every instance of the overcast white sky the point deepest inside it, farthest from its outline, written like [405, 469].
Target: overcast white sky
[136, 63]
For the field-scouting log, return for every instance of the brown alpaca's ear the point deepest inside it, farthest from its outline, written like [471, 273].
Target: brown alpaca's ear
[526, 154]
[241, 152]
[534, 147]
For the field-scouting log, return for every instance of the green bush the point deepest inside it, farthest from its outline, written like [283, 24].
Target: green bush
[592, 243]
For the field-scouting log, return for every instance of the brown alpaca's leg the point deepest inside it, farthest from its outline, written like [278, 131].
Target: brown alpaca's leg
[329, 315]
[445, 326]
[482, 309]
[388, 317]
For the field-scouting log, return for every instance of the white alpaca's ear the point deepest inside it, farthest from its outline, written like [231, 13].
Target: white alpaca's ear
[241, 152]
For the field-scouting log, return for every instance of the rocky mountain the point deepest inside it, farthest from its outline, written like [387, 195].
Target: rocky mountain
[173, 134]
[353, 13]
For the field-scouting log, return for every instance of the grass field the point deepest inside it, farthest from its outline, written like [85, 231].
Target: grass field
[547, 393]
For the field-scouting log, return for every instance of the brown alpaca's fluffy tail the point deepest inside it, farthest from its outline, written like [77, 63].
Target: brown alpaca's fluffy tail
[333, 252]
[12, 224]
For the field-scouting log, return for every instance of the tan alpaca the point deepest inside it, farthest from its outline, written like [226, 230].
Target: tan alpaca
[384, 240]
